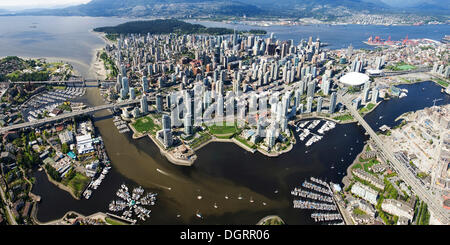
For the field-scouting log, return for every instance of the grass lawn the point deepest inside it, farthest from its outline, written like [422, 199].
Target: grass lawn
[345, 117]
[245, 142]
[370, 106]
[405, 67]
[358, 211]
[145, 125]
[200, 140]
[113, 221]
[223, 130]
[442, 82]
[78, 183]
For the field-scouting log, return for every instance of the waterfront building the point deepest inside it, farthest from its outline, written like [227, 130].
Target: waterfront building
[167, 138]
[356, 103]
[333, 101]
[365, 95]
[319, 104]
[166, 122]
[309, 102]
[375, 93]
[144, 105]
[365, 192]
[188, 124]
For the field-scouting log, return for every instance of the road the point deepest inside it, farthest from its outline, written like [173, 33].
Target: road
[432, 200]
[71, 114]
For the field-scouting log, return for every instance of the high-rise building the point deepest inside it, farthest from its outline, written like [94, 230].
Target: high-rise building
[168, 139]
[159, 103]
[333, 100]
[319, 104]
[125, 86]
[188, 124]
[311, 89]
[166, 122]
[309, 101]
[365, 95]
[375, 93]
[144, 105]
[356, 103]
[132, 94]
[144, 84]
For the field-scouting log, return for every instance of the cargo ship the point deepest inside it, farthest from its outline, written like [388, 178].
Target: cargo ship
[377, 41]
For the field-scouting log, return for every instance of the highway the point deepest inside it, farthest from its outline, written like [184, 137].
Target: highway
[432, 200]
[71, 114]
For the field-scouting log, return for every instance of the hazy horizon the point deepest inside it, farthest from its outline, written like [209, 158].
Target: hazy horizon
[33, 4]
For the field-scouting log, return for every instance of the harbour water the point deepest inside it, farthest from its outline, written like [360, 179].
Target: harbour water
[222, 169]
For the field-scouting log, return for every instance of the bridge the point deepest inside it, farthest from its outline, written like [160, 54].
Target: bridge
[72, 114]
[78, 81]
[432, 200]
[397, 73]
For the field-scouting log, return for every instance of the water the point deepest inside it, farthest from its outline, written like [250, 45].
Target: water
[60, 38]
[225, 169]
[221, 169]
[341, 36]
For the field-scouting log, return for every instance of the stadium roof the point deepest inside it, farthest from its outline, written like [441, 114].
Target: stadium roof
[354, 79]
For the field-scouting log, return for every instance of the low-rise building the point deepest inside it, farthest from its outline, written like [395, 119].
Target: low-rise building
[368, 177]
[365, 192]
[398, 208]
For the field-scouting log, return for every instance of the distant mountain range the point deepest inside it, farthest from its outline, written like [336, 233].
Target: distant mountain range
[324, 9]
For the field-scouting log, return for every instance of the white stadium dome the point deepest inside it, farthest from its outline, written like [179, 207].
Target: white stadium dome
[354, 79]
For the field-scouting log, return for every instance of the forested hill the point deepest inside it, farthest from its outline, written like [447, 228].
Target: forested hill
[165, 27]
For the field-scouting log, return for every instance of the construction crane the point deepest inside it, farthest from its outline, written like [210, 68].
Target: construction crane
[434, 102]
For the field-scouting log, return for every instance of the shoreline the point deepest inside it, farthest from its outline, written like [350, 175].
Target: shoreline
[60, 185]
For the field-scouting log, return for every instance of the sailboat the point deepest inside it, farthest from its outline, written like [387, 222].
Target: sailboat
[199, 215]
[215, 205]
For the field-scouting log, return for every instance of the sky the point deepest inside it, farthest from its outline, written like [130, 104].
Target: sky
[21, 4]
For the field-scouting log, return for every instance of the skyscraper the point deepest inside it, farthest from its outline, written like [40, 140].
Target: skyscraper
[374, 98]
[333, 99]
[125, 86]
[166, 124]
[188, 124]
[309, 101]
[144, 84]
[159, 103]
[144, 105]
[319, 104]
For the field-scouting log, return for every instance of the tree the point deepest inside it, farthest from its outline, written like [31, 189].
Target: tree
[65, 148]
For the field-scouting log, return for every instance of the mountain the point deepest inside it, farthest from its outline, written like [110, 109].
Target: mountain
[322, 9]
[166, 8]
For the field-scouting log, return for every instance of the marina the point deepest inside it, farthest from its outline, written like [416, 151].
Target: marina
[133, 203]
[327, 126]
[121, 125]
[320, 192]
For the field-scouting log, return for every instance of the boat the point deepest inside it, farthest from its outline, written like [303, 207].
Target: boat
[215, 205]
[240, 197]
[199, 215]
[226, 197]
[251, 199]
[199, 197]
